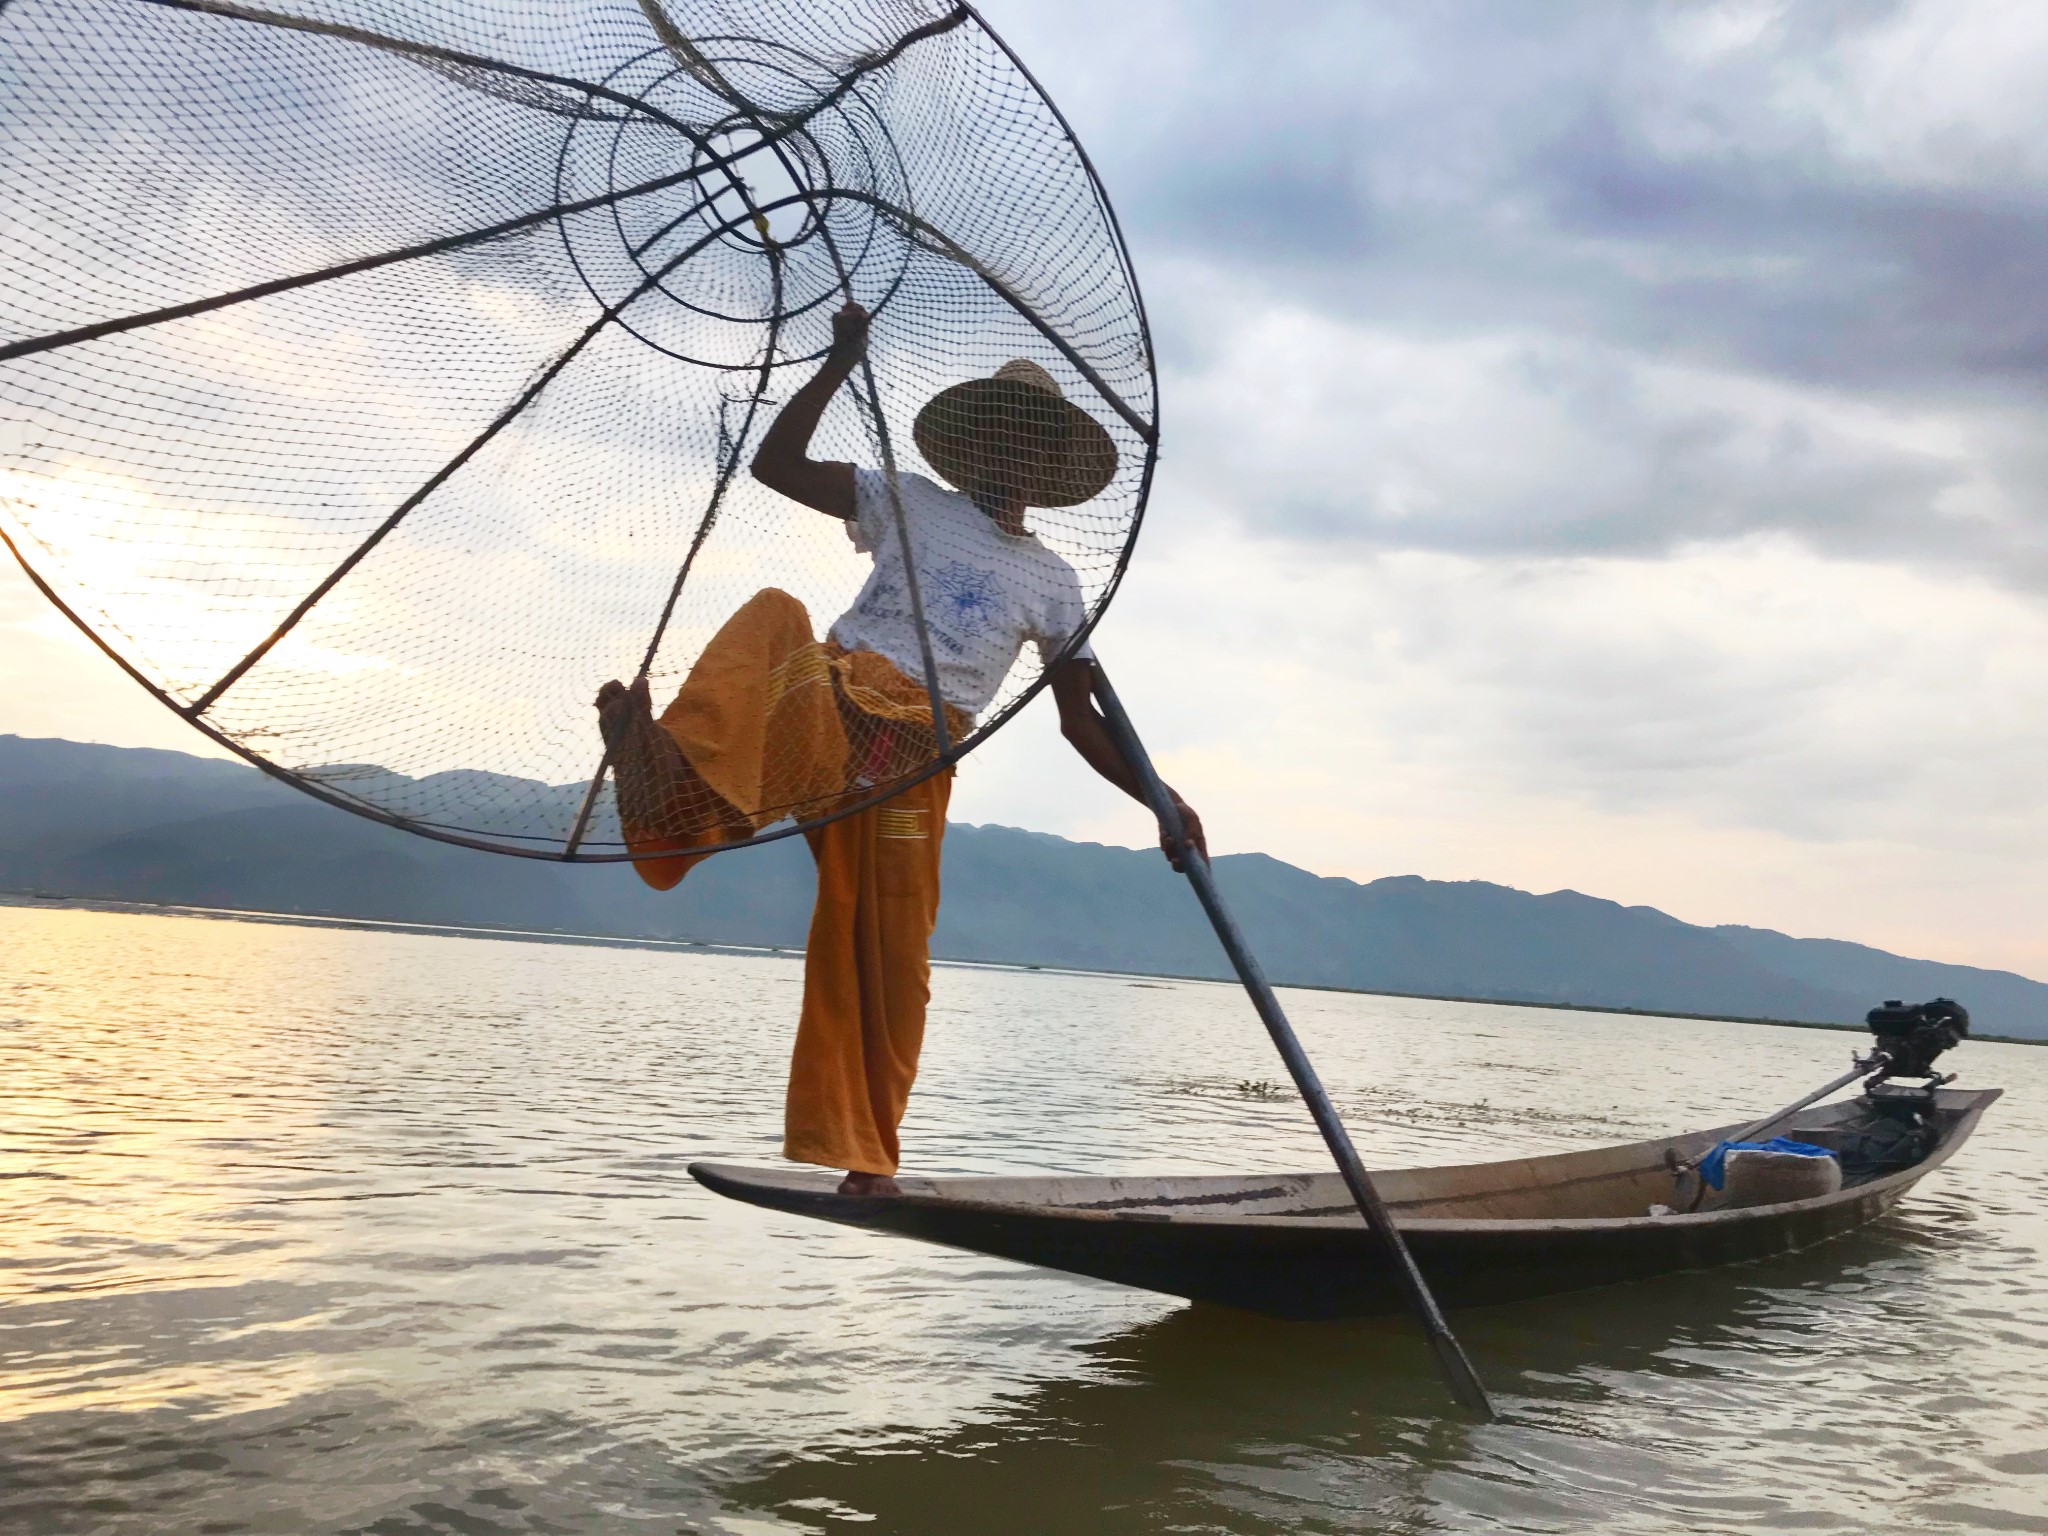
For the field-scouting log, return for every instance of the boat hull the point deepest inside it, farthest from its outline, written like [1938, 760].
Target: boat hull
[1289, 1246]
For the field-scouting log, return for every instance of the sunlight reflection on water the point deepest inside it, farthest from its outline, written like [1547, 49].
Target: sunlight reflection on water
[319, 1230]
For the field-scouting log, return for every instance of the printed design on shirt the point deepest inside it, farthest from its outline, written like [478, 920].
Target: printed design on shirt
[882, 596]
[964, 597]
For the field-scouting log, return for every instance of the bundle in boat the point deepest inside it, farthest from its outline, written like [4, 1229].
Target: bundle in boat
[1739, 1174]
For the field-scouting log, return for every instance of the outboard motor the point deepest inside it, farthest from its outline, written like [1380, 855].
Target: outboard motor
[1899, 1124]
[1902, 1128]
[1911, 1035]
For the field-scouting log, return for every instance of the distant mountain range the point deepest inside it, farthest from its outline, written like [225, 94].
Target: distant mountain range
[141, 825]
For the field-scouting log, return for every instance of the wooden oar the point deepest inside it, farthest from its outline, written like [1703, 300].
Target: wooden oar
[1457, 1369]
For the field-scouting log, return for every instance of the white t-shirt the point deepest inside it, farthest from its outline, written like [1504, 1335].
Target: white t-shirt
[985, 592]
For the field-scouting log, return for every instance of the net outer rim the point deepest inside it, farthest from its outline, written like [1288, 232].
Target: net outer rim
[574, 854]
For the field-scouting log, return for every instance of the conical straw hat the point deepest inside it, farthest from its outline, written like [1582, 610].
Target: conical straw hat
[1015, 432]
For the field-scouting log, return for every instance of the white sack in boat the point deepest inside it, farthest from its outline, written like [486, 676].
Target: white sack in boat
[1764, 1176]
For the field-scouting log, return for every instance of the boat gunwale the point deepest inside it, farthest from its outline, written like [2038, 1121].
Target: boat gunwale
[1968, 1104]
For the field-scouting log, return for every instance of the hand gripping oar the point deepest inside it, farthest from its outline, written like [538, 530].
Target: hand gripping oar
[1464, 1381]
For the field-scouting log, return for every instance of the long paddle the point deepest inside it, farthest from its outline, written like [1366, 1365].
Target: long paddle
[1464, 1381]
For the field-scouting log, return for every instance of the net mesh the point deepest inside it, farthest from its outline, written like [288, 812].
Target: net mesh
[379, 379]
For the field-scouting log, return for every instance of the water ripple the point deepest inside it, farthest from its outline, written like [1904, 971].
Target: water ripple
[312, 1230]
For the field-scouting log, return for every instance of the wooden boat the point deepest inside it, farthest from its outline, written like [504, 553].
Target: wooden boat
[1292, 1245]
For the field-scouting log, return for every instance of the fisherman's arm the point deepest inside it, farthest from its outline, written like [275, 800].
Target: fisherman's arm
[1073, 689]
[783, 462]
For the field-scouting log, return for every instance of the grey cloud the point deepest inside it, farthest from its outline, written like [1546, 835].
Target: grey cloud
[1504, 176]
[1573, 178]
[1833, 280]
[1544, 447]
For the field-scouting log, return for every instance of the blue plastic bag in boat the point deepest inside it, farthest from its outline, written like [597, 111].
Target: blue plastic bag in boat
[1712, 1167]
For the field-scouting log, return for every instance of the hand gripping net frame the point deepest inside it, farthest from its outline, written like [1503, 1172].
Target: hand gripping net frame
[377, 379]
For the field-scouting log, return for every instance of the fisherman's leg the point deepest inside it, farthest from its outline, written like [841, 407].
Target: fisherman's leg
[828, 1116]
[867, 979]
[909, 831]
[719, 760]
[757, 717]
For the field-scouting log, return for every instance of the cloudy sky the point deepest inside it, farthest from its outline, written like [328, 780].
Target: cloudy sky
[1604, 449]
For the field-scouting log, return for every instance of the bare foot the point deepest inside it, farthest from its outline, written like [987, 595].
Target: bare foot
[613, 707]
[868, 1184]
[652, 777]
[619, 708]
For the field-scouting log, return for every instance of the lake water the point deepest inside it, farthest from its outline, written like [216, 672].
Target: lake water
[315, 1230]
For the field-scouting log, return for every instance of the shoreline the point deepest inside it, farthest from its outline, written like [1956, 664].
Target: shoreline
[40, 899]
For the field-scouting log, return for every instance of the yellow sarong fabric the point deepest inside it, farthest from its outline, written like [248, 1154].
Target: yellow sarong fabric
[867, 979]
[772, 723]
[757, 717]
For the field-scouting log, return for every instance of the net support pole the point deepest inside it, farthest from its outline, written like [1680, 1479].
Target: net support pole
[693, 61]
[885, 445]
[731, 449]
[910, 581]
[1457, 1369]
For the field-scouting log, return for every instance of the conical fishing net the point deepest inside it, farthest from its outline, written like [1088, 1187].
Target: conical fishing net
[377, 380]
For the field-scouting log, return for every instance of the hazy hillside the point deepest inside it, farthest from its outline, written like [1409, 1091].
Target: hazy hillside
[161, 826]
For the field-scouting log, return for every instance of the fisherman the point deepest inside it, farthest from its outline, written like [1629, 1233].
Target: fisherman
[772, 723]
